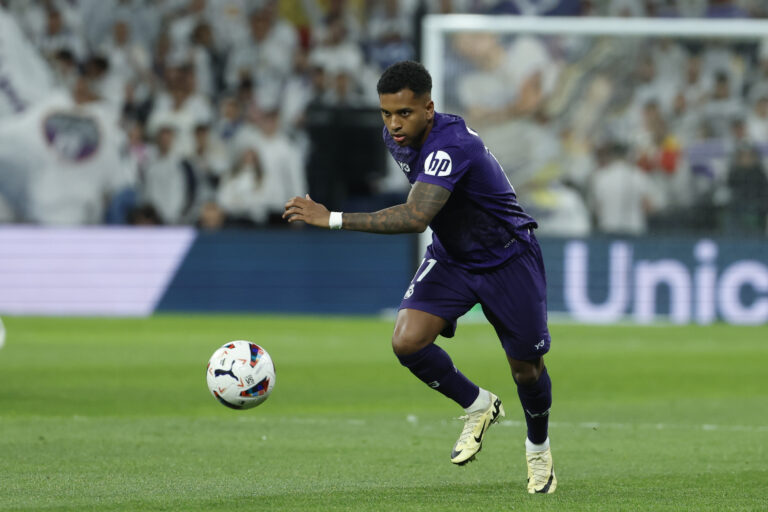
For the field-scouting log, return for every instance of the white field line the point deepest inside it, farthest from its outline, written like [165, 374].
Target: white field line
[707, 427]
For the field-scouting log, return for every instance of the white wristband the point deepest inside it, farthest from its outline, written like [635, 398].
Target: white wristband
[334, 222]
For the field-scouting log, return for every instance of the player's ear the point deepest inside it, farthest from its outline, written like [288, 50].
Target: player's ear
[430, 109]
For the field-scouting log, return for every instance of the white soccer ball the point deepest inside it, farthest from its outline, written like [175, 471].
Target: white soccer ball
[241, 374]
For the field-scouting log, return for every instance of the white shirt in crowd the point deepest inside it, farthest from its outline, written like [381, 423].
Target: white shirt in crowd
[281, 164]
[196, 109]
[164, 185]
[621, 195]
[243, 194]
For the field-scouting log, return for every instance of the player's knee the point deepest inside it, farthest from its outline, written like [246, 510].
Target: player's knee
[526, 378]
[405, 342]
[526, 373]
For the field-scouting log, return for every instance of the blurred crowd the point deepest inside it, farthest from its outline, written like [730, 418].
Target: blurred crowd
[622, 135]
[213, 112]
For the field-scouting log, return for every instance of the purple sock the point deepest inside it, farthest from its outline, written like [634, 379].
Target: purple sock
[536, 400]
[434, 367]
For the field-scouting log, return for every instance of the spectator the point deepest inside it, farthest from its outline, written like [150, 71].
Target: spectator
[696, 84]
[99, 17]
[164, 184]
[243, 197]
[299, 91]
[621, 195]
[746, 212]
[280, 166]
[208, 60]
[757, 121]
[269, 54]
[181, 106]
[128, 63]
[229, 120]
[684, 121]
[341, 11]
[390, 33]
[204, 167]
[341, 60]
[721, 108]
[56, 36]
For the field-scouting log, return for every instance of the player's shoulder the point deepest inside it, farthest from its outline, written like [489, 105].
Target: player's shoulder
[451, 132]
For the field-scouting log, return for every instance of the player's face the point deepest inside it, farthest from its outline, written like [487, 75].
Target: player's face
[408, 117]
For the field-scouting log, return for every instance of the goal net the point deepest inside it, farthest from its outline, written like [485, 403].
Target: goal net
[617, 126]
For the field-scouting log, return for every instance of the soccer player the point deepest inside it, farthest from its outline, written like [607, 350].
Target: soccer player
[483, 251]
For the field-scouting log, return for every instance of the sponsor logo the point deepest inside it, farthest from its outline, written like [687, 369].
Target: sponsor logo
[409, 292]
[404, 167]
[540, 345]
[736, 292]
[479, 439]
[438, 163]
[219, 372]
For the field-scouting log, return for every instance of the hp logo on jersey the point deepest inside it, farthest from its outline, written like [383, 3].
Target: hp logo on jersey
[438, 163]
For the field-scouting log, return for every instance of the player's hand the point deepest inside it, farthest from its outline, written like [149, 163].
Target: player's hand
[304, 209]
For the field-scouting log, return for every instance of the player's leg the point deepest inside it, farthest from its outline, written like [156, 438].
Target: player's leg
[413, 344]
[534, 388]
[436, 297]
[514, 301]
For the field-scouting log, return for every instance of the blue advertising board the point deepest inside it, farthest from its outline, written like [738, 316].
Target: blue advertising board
[139, 271]
[311, 271]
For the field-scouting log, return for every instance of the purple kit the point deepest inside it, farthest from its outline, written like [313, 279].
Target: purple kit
[483, 249]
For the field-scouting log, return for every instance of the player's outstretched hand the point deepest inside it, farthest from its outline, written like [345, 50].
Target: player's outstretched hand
[304, 209]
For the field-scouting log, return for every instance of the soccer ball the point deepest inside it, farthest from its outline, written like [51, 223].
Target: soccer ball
[240, 374]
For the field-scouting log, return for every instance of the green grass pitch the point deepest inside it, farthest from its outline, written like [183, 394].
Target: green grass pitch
[114, 414]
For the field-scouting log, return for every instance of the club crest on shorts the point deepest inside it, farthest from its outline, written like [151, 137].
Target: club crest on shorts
[409, 291]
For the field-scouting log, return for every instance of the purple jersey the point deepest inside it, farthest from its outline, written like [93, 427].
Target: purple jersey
[478, 227]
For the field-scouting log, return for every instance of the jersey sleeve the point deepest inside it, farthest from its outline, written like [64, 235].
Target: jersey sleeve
[444, 166]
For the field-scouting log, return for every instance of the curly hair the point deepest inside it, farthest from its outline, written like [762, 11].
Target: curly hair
[406, 74]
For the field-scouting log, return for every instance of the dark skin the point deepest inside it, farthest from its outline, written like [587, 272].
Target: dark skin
[409, 119]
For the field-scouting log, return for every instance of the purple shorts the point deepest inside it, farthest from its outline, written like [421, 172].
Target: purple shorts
[513, 298]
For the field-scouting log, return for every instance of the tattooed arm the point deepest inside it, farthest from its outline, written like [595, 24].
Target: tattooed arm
[413, 216]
